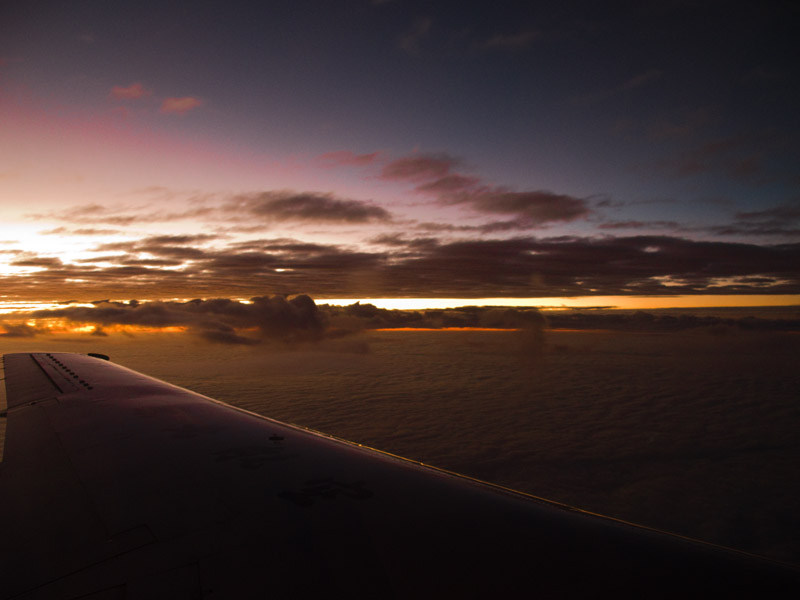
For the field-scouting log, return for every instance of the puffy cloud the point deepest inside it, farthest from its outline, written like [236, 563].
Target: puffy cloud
[180, 106]
[17, 330]
[133, 92]
[217, 320]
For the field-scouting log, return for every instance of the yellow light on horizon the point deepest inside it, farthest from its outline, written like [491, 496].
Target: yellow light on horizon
[619, 302]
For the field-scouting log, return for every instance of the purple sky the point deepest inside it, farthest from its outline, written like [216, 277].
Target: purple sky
[394, 148]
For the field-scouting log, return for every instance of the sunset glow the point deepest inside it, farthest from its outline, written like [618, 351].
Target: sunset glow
[357, 171]
[550, 245]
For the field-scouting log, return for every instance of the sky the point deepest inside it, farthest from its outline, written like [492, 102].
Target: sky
[384, 149]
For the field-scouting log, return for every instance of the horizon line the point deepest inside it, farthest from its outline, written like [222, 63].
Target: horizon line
[585, 302]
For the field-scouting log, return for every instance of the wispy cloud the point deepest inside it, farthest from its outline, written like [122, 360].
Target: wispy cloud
[305, 206]
[346, 158]
[531, 208]
[410, 41]
[132, 92]
[436, 175]
[782, 220]
[121, 215]
[635, 82]
[180, 106]
[419, 167]
[511, 41]
[79, 231]
[739, 156]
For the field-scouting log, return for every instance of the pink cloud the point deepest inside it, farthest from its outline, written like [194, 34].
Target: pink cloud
[419, 167]
[133, 92]
[180, 106]
[345, 158]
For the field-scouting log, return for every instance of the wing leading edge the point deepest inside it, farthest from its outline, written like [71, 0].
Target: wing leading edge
[114, 484]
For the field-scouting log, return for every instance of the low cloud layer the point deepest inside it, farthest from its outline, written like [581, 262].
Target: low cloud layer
[300, 319]
[398, 265]
[219, 320]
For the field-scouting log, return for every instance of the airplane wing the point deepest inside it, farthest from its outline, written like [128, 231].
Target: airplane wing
[117, 485]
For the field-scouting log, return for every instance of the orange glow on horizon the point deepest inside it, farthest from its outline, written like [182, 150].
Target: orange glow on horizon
[444, 329]
[60, 326]
[577, 302]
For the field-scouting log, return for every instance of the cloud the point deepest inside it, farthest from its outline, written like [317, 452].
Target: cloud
[217, 320]
[299, 319]
[530, 320]
[18, 330]
[567, 266]
[650, 321]
[410, 41]
[402, 265]
[786, 213]
[277, 206]
[511, 41]
[306, 206]
[635, 82]
[42, 261]
[419, 167]
[170, 246]
[782, 220]
[640, 225]
[80, 231]
[121, 215]
[180, 106]
[739, 157]
[179, 239]
[134, 91]
[532, 208]
[345, 158]
[435, 174]
[449, 184]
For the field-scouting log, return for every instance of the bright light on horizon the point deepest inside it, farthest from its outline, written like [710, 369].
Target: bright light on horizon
[11, 307]
[620, 302]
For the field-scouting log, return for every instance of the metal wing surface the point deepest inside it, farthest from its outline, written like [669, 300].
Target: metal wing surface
[117, 485]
